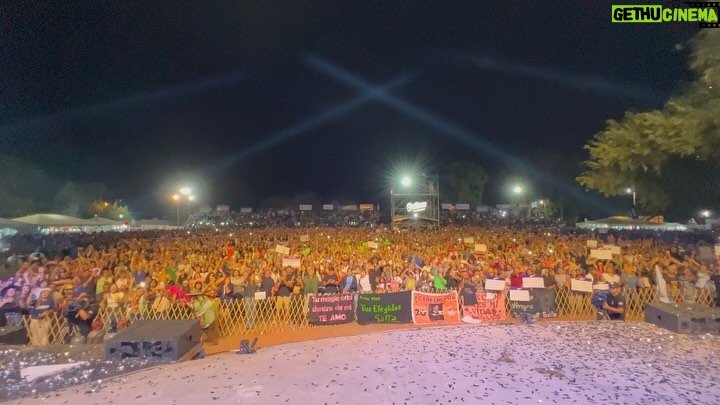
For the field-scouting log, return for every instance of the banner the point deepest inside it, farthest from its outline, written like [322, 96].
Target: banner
[462, 207]
[385, 308]
[435, 308]
[291, 261]
[445, 206]
[305, 207]
[245, 210]
[222, 208]
[331, 309]
[367, 207]
[490, 307]
[328, 207]
[541, 305]
[348, 208]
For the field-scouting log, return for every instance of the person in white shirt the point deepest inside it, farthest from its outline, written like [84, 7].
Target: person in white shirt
[364, 284]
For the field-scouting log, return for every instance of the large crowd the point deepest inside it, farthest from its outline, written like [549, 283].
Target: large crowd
[78, 275]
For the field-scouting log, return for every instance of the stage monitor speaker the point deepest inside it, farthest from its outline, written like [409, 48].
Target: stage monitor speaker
[14, 335]
[684, 318]
[166, 340]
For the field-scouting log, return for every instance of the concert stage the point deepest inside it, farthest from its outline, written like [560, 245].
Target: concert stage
[541, 363]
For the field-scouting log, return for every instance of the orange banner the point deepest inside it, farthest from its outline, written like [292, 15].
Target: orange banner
[435, 308]
[490, 307]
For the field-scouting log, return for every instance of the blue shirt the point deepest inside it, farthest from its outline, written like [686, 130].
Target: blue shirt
[42, 306]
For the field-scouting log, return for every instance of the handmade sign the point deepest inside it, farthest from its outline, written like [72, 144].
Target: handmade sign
[591, 243]
[469, 240]
[601, 254]
[304, 238]
[541, 305]
[292, 261]
[490, 307]
[581, 285]
[519, 295]
[384, 308]
[435, 308]
[480, 248]
[373, 245]
[495, 284]
[331, 309]
[533, 282]
[282, 249]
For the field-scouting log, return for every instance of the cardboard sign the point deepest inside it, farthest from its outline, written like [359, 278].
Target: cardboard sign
[373, 245]
[480, 248]
[533, 282]
[304, 238]
[292, 261]
[494, 284]
[601, 254]
[581, 285]
[282, 249]
[260, 295]
[519, 295]
[601, 286]
[591, 244]
[469, 240]
[616, 250]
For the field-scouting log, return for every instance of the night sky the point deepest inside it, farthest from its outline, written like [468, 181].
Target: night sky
[146, 96]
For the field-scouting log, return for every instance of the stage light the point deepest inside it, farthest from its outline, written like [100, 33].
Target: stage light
[185, 191]
[705, 213]
[191, 197]
[517, 189]
[176, 197]
[406, 181]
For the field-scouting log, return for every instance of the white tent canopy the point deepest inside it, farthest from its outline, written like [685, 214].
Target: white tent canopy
[53, 220]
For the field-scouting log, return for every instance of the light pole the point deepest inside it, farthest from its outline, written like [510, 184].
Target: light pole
[631, 190]
[176, 198]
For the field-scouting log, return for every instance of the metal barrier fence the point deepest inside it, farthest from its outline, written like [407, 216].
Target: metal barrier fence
[280, 314]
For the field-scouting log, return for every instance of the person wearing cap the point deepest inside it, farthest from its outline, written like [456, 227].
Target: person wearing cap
[614, 306]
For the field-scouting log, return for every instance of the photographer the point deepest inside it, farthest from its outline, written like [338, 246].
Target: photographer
[80, 317]
[614, 306]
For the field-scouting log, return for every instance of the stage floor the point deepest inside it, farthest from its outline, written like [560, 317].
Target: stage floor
[546, 362]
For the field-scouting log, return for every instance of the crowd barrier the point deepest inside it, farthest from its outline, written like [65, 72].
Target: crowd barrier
[281, 314]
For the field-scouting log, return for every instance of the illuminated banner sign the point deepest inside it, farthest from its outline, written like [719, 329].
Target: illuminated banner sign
[366, 207]
[304, 207]
[223, 208]
[446, 206]
[462, 206]
[416, 206]
[245, 209]
[328, 207]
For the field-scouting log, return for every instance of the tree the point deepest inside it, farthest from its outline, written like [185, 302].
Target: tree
[640, 150]
[463, 182]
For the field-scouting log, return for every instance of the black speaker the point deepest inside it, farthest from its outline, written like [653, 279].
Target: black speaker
[684, 318]
[14, 335]
[167, 340]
